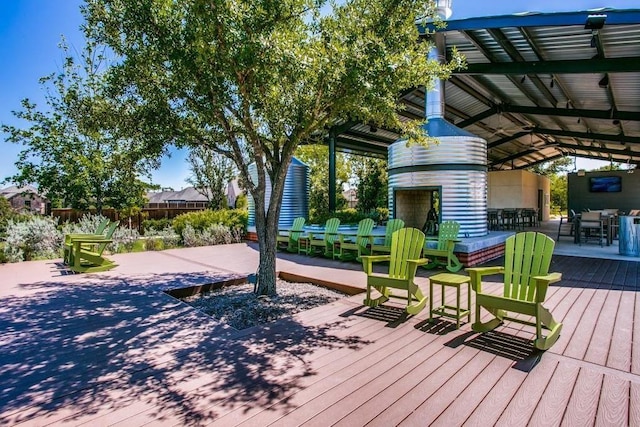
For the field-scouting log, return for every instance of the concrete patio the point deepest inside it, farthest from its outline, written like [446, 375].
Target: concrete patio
[113, 348]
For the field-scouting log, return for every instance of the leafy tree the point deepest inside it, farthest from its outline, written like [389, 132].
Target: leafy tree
[210, 174]
[316, 156]
[71, 155]
[253, 80]
[553, 167]
[372, 180]
[559, 191]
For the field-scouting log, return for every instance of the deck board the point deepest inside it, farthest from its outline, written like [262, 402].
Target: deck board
[114, 349]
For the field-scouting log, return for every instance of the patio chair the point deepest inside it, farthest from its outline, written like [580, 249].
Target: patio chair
[360, 243]
[446, 241]
[290, 239]
[404, 259]
[393, 225]
[567, 226]
[591, 222]
[86, 252]
[66, 247]
[307, 243]
[526, 281]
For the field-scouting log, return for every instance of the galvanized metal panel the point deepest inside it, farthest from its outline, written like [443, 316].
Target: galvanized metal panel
[295, 199]
[463, 196]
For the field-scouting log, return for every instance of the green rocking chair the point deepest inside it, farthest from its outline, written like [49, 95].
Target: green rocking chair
[393, 225]
[404, 259]
[290, 239]
[447, 238]
[526, 280]
[360, 243]
[307, 243]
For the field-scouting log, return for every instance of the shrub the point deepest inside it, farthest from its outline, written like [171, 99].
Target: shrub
[168, 236]
[201, 220]
[154, 244]
[152, 226]
[87, 224]
[215, 234]
[124, 240]
[36, 238]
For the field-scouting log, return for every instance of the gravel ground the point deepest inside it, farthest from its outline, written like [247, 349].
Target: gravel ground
[240, 308]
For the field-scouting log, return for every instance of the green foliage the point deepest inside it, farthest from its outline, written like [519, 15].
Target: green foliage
[253, 80]
[35, 238]
[214, 234]
[6, 213]
[152, 226]
[554, 167]
[242, 202]
[558, 193]
[87, 224]
[72, 147]
[372, 183]
[201, 220]
[349, 216]
[125, 240]
[210, 174]
[317, 158]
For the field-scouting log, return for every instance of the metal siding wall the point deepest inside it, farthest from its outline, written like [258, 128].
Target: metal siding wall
[464, 191]
[295, 200]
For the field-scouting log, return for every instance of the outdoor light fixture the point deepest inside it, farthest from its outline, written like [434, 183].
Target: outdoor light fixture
[373, 129]
[604, 82]
[595, 22]
[551, 84]
[523, 79]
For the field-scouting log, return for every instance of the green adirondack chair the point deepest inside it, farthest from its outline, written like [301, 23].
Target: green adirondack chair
[393, 225]
[447, 238]
[92, 246]
[66, 247]
[360, 243]
[526, 280]
[308, 243]
[290, 239]
[404, 259]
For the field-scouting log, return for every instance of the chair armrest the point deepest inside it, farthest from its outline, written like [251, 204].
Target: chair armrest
[543, 282]
[368, 260]
[413, 266]
[476, 274]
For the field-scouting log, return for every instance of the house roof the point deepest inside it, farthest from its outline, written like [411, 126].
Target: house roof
[188, 194]
[12, 191]
[538, 86]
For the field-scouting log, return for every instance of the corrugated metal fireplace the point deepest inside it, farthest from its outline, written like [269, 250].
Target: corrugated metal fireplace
[451, 174]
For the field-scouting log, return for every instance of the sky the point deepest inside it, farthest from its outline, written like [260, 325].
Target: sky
[30, 31]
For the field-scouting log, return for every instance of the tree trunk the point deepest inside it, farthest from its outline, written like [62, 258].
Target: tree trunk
[267, 230]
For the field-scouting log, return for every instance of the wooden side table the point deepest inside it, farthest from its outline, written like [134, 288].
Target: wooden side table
[455, 312]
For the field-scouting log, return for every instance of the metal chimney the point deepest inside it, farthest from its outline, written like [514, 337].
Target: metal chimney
[456, 167]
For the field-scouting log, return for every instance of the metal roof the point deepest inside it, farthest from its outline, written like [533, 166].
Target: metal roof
[538, 86]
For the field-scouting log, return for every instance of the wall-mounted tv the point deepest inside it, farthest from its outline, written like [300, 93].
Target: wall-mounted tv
[605, 184]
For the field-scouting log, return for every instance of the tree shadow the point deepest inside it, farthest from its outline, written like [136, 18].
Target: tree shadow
[109, 345]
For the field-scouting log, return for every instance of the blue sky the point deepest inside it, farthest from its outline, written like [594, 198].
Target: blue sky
[30, 31]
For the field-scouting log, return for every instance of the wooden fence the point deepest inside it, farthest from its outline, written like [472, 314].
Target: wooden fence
[161, 212]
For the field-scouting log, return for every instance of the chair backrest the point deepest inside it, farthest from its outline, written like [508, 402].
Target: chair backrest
[406, 243]
[393, 225]
[109, 232]
[103, 224]
[448, 231]
[331, 230]
[297, 228]
[365, 227]
[590, 219]
[526, 255]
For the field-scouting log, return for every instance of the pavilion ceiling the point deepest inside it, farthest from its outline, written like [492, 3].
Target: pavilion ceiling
[537, 87]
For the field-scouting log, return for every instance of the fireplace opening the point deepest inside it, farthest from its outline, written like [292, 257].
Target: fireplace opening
[413, 206]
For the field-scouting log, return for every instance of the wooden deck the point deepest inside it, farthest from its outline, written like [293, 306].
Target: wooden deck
[113, 349]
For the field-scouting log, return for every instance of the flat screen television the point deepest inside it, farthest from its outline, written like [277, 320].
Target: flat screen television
[605, 184]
